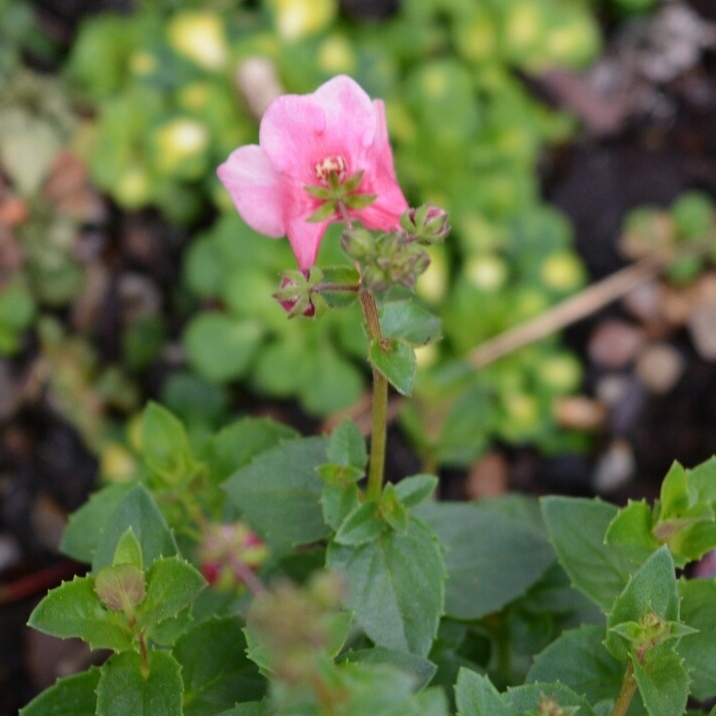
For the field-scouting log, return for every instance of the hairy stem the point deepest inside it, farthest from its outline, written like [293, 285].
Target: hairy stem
[380, 404]
[626, 692]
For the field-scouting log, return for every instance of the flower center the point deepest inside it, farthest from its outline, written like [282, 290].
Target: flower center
[331, 165]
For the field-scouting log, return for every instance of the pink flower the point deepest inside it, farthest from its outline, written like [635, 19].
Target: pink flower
[302, 140]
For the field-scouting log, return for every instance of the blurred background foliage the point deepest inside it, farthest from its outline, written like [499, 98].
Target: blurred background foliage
[149, 102]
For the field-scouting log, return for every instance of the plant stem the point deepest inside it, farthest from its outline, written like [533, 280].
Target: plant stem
[380, 404]
[626, 692]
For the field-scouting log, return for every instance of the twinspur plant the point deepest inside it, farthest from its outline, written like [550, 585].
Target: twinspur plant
[269, 573]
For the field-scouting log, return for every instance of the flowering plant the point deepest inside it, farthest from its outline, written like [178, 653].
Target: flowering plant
[333, 591]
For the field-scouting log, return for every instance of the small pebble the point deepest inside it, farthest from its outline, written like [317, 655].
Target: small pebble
[702, 328]
[615, 344]
[659, 367]
[615, 467]
[579, 412]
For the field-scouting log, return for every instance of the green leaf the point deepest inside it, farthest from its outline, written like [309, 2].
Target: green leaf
[630, 531]
[698, 597]
[120, 587]
[395, 359]
[476, 696]
[419, 669]
[125, 690]
[128, 551]
[337, 502]
[395, 586]
[239, 443]
[578, 659]
[250, 708]
[576, 528]
[138, 511]
[409, 321]
[279, 493]
[172, 585]
[526, 699]
[74, 610]
[71, 696]
[86, 526]
[674, 495]
[346, 446]
[411, 491]
[702, 481]
[340, 276]
[222, 348]
[490, 559]
[362, 525]
[651, 589]
[214, 667]
[392, 510]
[165, 445]
[663, 684]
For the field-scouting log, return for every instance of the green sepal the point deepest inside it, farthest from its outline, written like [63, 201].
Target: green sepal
[362, 525]
[359, 201]
[353, 181]
[319, 192]
[395, 359]
[325, 211]
[74, 610]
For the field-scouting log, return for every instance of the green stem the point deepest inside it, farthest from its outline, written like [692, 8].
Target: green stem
[380, 404]
[626, 693]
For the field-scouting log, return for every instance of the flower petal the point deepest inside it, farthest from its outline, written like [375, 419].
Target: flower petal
[256, 189]
[298, 131]
[305, 238]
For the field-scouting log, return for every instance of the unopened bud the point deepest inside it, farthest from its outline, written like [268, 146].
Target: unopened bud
[294, 294]
[427, 224]
[358, 243]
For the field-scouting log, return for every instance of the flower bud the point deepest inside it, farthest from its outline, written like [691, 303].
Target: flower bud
[427, 224]
[358, 243]
[294, 294]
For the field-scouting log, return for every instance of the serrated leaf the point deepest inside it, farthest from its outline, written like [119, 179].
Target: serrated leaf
[630, 531]
[702, 481]
[698, 597]
[578, 659]
[172, 585]
[663, 684]
[86, 526]
[361, 526]
[395, 586]
[346, 446]
[674, 496]
[421, 670]
[526, 699]
[128, 550]
[125, 690]
[74, 610]
[651, 589]
[237, 444]
[279, 493]
[165, 445]
[215, 669]
[410, 321]
[576, 528]
[411, 491]
[138, 511]
[479, 542]
[395, 359]
[337, 502]
[250, 708]
[120, 587]
[476, 696]
[70, 696]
